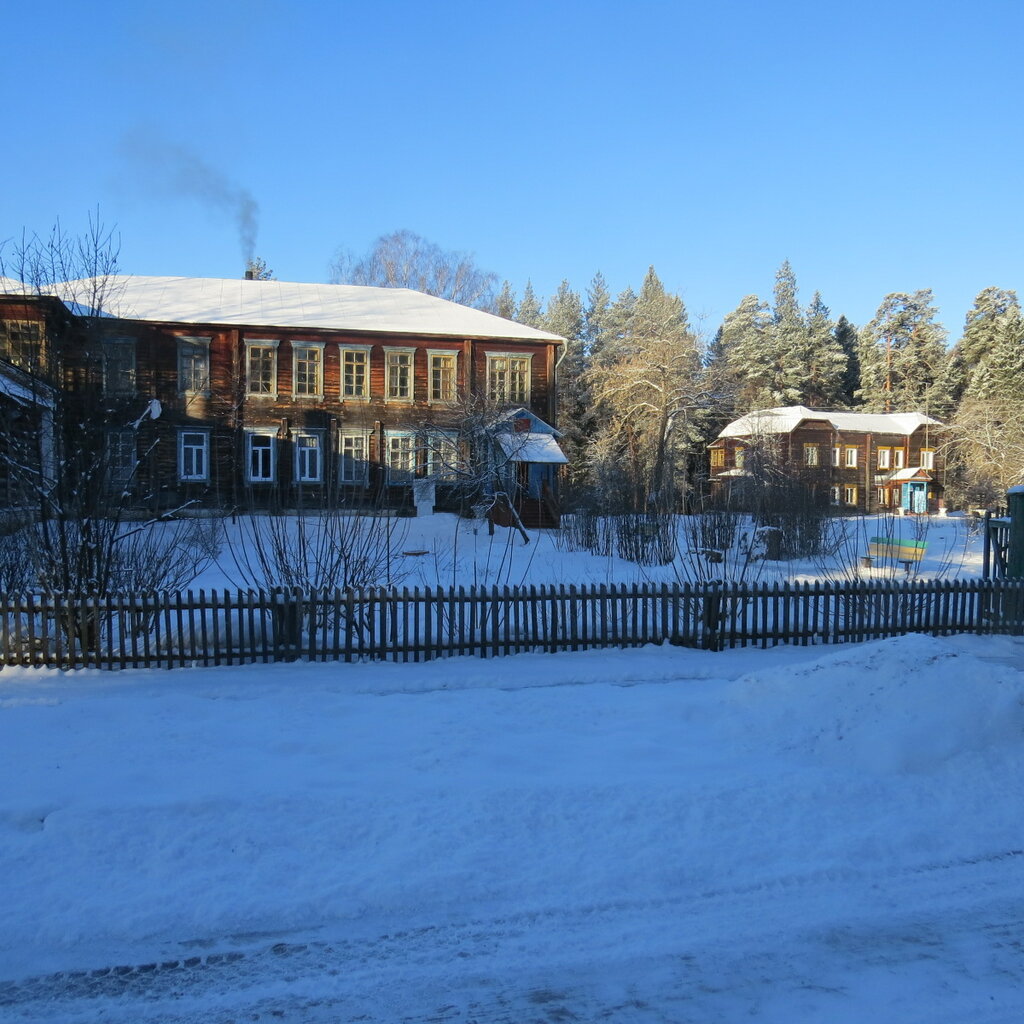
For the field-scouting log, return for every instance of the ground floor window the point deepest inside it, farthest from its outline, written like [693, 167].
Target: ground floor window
[121, 457]
[833, 494]
[193, 455]
[849, 495]
[308, 461]
[401, 457]
[354, 452]
[259, 457]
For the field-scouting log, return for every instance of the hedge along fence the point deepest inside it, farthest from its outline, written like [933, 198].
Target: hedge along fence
[244, 627]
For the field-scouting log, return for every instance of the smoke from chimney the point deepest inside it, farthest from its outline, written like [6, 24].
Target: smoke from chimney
[170, 169]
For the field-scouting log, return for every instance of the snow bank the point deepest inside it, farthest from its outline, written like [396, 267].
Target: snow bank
[908, 704]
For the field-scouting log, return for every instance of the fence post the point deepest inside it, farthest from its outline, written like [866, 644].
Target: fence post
[1015, 555]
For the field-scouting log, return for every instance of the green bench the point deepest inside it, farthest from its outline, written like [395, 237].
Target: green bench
[906, 552]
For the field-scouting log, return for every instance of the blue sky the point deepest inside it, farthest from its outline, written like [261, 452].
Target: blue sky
[877, 146]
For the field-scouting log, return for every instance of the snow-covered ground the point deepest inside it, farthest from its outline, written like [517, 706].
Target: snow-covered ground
[663, 835]
[444, 550]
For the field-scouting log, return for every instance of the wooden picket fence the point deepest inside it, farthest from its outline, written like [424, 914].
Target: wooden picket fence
[169, 630]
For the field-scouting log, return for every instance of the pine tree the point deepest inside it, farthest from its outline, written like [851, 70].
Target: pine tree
[595, 317]
[505, 304]
[530, 311]
[846, 339]
[903, 355]
[826, 360]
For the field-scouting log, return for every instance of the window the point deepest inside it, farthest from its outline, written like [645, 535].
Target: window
[849, 495]
[851, 458]
[443, 381]
[193, 455]
[401, 457]
[21, 342]
[398, 374]
[443, 456]
[810, 455]
[508, 377]
[120, 458]
[308, 467]
[884, 458]
[260, 456]
[194, 366]
[897, 458]
[261, 368]
[354, 468]
[833, 495]
[307, 369]
[355, 373]
[836, 456]
[741, 457]
[119, 366]
[717, 458]
[927, 458]
[883, 497]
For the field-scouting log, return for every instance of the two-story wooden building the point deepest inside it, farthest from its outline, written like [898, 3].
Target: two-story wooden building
[854, 461]
[244, 393]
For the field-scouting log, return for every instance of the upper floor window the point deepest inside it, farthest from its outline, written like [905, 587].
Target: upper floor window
[398, 374]
[927, 458]
[837, 454]
[508, 377]
[21, 342]
[443, 381]
[307, 369]
[261, 368]
[119, 366]
[355, 372]
[884, 458]
[897, 458]
[810, 455]
[851, 457]
[717, 457]
[193, 455]
[741, 457]
[308, 457]
[194, 366]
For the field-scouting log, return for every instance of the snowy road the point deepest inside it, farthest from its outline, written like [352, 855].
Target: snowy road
[793, 947]
[655, 836]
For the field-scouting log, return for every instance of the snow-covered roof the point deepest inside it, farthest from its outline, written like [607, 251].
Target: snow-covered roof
[527, 446]
[22, 393]
[207, 300]
[785, 419]
[911, 473]
[9, 286]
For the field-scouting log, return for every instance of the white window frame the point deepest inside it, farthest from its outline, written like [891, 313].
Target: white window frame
[927, 458]
[837, 455]
[204, 447]
[128, 370]
[438, 441]
[265, 434]
[740, 457]
[188, 350]
[389, 351]
[362, 477]
[302, 477]
[409, 447]
[261, 343]
[811, 455]
[884, 458]
[850, 495]
[442, 353]
[834, 494]
[503, 393]
[364, 350]
[898, 458]
[300, 346]
[850, 461]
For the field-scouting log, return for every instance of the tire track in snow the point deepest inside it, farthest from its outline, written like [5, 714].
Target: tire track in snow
[349, 970]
